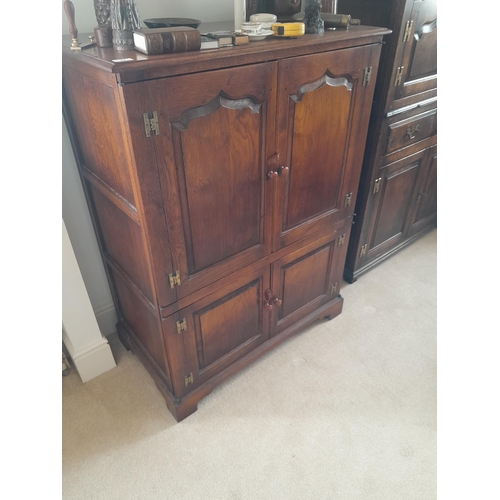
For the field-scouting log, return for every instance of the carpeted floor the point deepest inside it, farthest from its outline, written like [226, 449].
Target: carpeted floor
[345, 410]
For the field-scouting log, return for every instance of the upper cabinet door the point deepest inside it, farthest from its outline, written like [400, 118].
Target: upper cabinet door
[418, 67]
[216, 132]
[324, 104]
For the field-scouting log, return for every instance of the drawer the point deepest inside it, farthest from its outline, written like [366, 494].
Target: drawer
[403, 133]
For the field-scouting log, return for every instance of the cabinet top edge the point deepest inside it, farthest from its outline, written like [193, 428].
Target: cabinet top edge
[130, 66]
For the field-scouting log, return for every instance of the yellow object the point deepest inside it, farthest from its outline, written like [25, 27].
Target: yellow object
[288, 29]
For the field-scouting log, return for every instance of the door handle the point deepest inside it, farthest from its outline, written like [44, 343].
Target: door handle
[271, 299]
[268, 295]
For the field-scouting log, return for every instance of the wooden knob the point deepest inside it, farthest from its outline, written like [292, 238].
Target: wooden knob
[283, 170]
[277, 301]
[267, 296]
[272, 174]
[69, 8]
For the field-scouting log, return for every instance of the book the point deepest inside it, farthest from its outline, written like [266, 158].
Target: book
[167, 40]
[240, 39]
[227, 38]
[224, 37]
[208, 43]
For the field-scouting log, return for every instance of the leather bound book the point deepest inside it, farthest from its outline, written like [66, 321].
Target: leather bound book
[167, 40]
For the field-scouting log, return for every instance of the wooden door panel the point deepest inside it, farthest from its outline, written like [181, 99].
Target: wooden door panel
[323, 112]
[304, 281]
[317, 159]
[419, 60]
[428, 197]
[220, 188]
[213, 148]
[308, 278]
[426, 204]
[224, 326]
[392, 205]
[396, 194]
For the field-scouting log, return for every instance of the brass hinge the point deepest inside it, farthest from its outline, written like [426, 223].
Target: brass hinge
[376, 187]
[174, 279]
[181, 326]
[399, 76]
[408, 28]
[363, 250]
[367, 76]
[334, 288]
[341, 240]
[347, 201]
[151, 124]
[188, 379]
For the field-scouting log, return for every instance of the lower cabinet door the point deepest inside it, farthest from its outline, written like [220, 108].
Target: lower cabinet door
[304, 280]
[392, 206]
[211, 334]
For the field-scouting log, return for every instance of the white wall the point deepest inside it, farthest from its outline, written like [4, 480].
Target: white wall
[204, 10]
[89, 351]
[74, 208]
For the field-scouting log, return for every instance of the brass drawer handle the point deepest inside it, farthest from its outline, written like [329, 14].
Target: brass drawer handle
[411, 132]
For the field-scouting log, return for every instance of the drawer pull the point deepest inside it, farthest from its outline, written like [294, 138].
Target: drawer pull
[277, 302]
[411, 132]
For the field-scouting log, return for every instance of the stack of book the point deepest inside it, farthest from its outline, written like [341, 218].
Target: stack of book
[183, 39]
[222, 39]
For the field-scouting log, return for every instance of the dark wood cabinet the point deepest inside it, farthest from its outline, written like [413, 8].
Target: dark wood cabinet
[222, 186]
[397, 192]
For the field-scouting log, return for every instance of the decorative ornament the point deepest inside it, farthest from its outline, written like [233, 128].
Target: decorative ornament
[312, 17]
[124, 20]
[102, 10]
[103, 32]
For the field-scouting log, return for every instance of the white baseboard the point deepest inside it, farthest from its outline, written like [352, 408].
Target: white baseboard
[92, 361]
[106, 319]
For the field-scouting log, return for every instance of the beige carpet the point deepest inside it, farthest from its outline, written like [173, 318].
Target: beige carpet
[344, 410]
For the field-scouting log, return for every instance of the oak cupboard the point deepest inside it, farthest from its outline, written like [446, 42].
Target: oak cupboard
[222, 186]
[397, 197]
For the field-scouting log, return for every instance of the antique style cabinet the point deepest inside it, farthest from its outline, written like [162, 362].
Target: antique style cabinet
[397, 198]
[222, 185]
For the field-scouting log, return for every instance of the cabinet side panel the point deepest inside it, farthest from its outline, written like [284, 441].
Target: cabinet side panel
[122, 242]
[95, 118]
[143, 324]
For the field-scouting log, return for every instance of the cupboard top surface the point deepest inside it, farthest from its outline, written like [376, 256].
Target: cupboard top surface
[131, 66]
